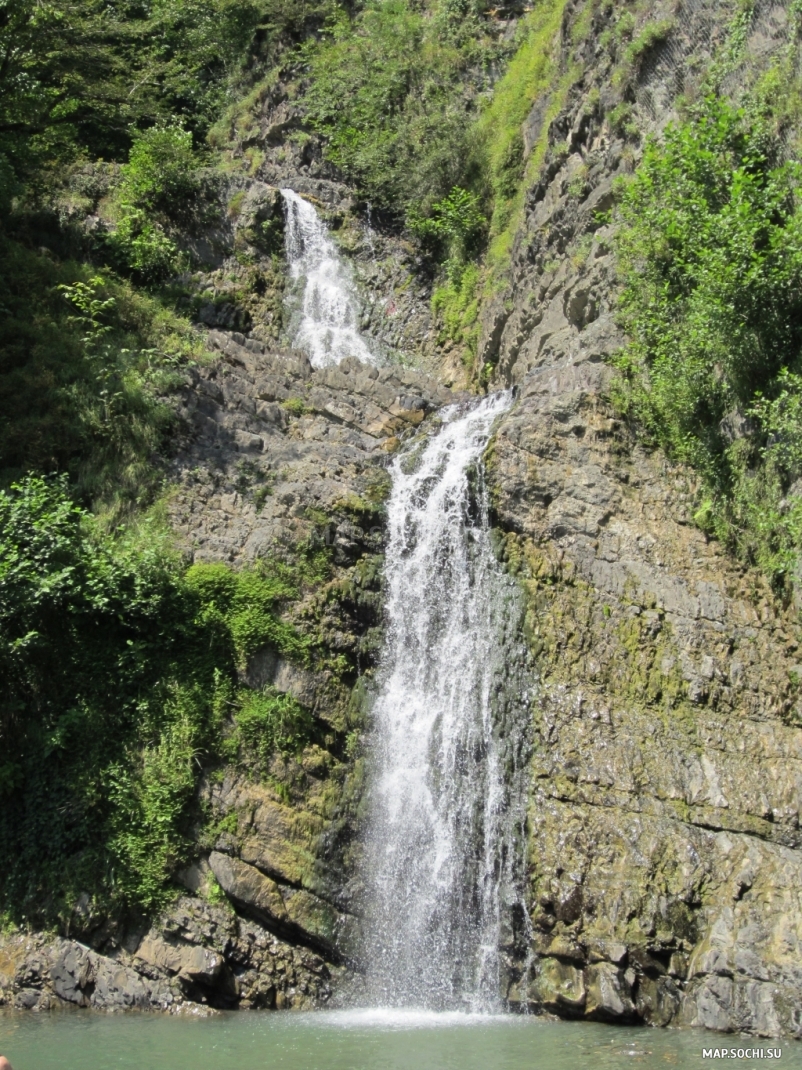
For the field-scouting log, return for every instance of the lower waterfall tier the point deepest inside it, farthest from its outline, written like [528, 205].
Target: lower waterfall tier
[444, 852]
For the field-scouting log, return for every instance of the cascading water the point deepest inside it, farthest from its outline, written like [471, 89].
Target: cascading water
[324, 304]
[444, 849]
[444, 845]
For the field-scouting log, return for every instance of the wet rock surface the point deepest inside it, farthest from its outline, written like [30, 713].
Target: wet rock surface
[194, 958]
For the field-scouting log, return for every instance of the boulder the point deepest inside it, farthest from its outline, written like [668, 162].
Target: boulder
[608, 994]
[249, 889]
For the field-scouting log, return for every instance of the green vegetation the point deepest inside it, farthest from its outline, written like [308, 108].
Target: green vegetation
[651, 34]
[296, 406]
[104, 112]
[160, 169]
[122, 668]
[455, 226]
[505, 171]
[530, 76]
[79, 75]
[400, 92]
[387, 88]
[265, 723]
[711, 264]
[120, 683]
[242, 603]
[156, 187]
[87, 364]
[86, 390]
[456, 303]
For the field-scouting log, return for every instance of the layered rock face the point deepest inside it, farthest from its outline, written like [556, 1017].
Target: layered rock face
[281, 460]
[276, 460]
[276, 451]
[665, 846]
[665, 859]
[196, 955]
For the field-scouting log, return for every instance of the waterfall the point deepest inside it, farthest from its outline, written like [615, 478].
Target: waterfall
[324, 304]
[444, 846]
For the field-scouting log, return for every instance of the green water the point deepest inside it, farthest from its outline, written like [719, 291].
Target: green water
[355, 1040]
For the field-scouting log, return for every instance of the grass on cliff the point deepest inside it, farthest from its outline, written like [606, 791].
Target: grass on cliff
[502, 169]
[530, 76]
[120, 684]
[710, 257]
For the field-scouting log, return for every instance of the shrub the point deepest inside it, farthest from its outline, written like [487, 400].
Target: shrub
[161, 171]
[119, 672]
[386, 88]
[140, 247]
[159, 184]
[456, 223]
[244, 604]
[780, 418]
[456, 302]
[711, 263]
[266, 723]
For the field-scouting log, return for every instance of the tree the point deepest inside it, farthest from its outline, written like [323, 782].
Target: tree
[77, 76]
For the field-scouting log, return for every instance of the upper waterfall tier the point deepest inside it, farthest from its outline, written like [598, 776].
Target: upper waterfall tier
[324, 304]
[444, 844]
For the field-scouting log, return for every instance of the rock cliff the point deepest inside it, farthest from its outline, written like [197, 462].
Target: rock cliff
[665, 854]
[275, 459]
[664, 821]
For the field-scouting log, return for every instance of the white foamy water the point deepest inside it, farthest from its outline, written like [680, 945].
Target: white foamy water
[447, 799]
[403, 1018]
[324, 303]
